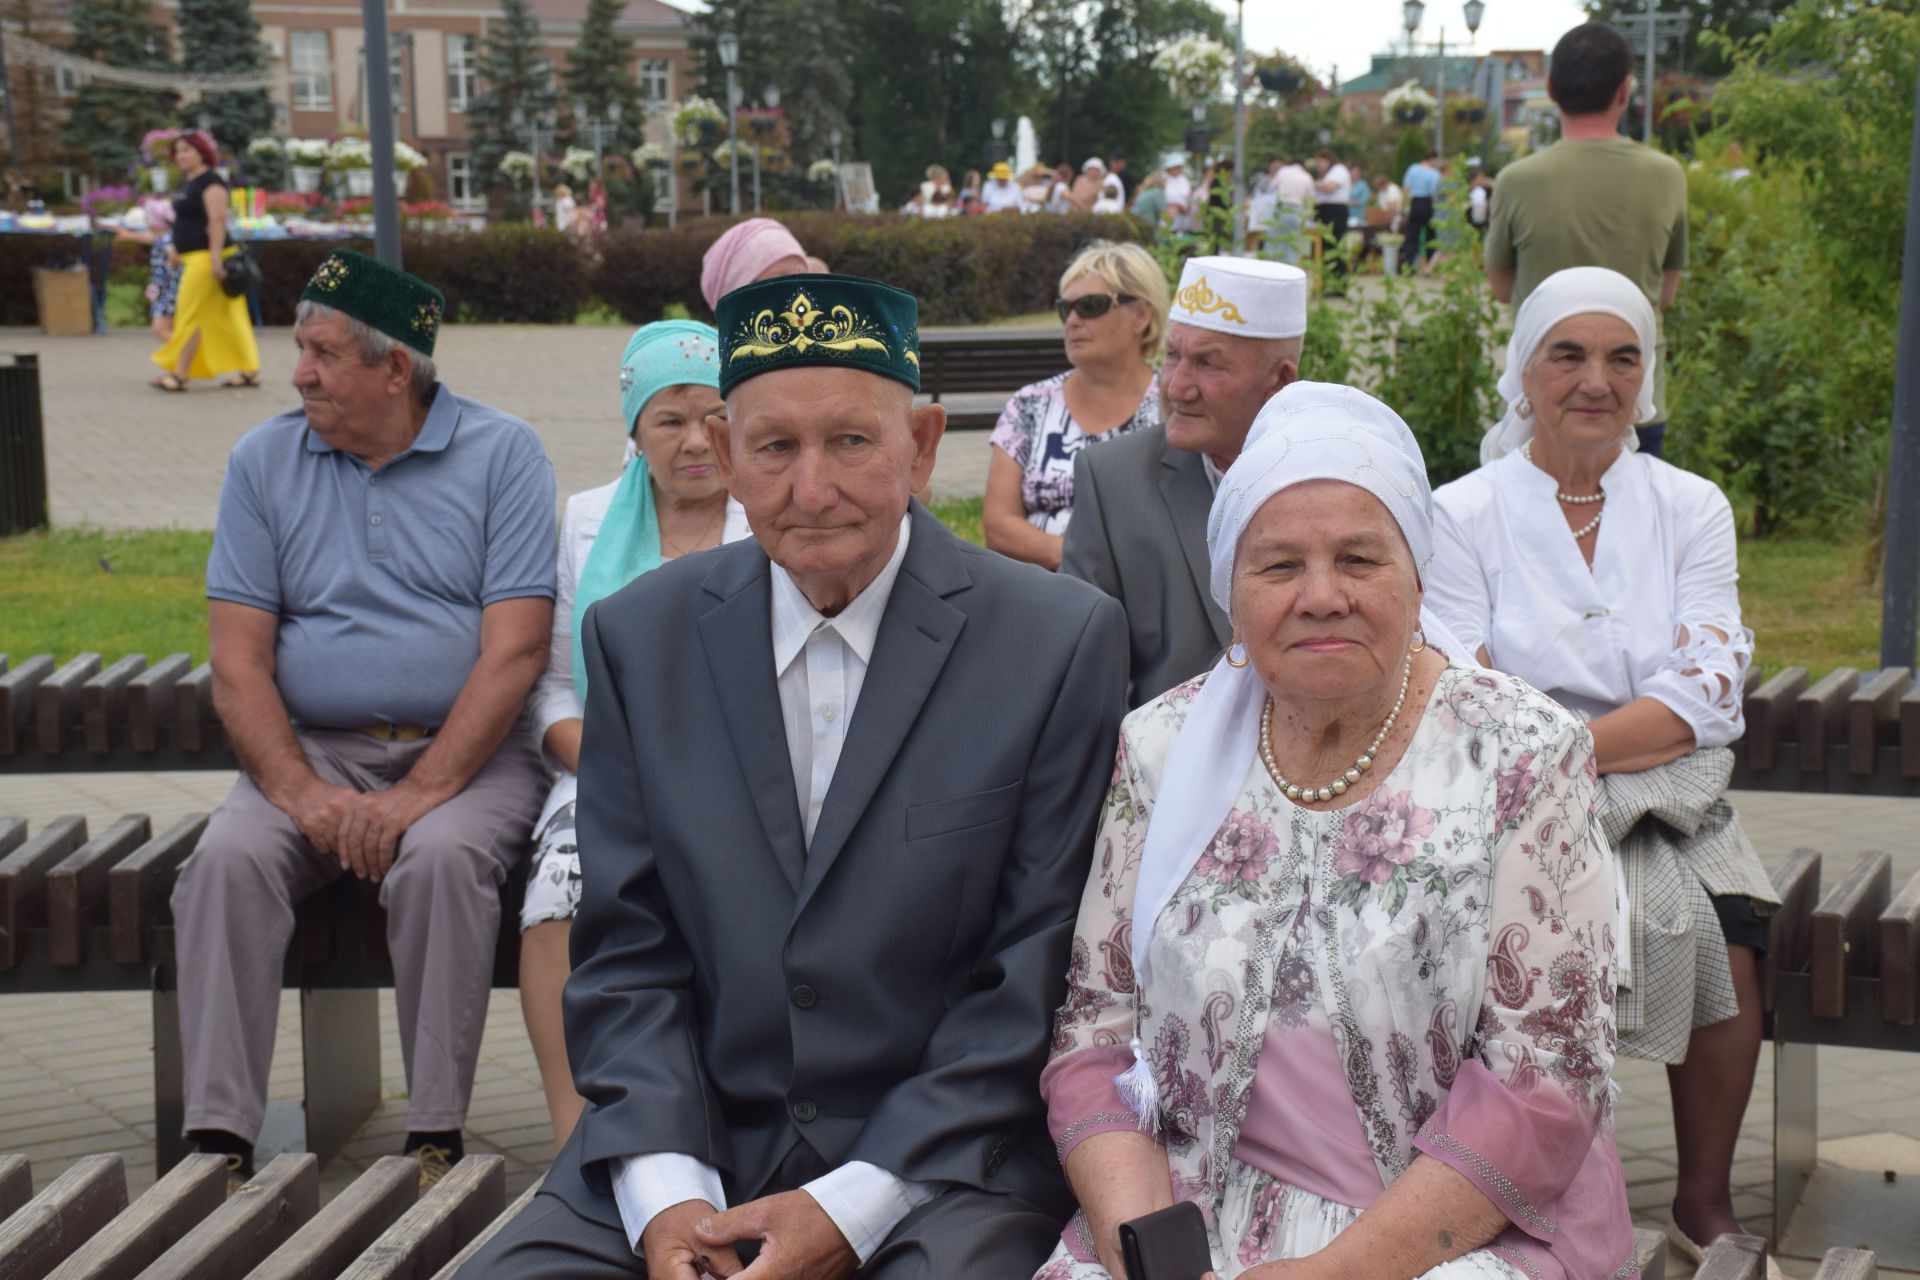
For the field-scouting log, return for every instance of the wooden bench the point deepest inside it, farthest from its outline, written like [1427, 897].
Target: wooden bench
[186, 1227]
[1842, 967]
[1740, 1257]
[968, 362]
[89, 912]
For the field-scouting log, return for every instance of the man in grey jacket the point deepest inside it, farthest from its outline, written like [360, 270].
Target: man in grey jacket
[839, 790]
[1140, 503]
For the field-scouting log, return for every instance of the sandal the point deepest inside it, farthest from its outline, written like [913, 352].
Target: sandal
[168, 382]
[242, 380]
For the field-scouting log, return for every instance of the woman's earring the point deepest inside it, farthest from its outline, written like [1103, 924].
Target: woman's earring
[1419, 640]
[1524, 406]
[1244, 659]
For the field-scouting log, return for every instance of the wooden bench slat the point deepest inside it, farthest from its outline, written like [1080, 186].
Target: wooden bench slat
[156, 1221]
[1769, 715]
[1848, 1264]
[16, 1184]
[492, 1229]
[1821, 716]
[13, 833]
[457, 1209]
[1845, 932]
[77, 887]
[1790, 928]
[78, 1203]
[1734, 1257]
[1910, 733]
[1900, 956]
[344, 1230]
[150, 700]
[193, 709]
[23, 882]
[138, 888]
[17, 689]
[103, 702]
[57, 702]
[253, 1222]
[1873, 714]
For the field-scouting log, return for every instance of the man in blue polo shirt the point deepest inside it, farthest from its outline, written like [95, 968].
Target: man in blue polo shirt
[380, 601]
[1422, 184]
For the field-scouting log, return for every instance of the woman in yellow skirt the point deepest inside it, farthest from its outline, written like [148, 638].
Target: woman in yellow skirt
[212, 333]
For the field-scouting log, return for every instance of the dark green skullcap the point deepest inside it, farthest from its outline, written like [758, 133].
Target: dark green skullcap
[842, 322]
[405, 308]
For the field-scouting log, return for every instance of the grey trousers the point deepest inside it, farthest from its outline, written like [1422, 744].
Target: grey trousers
[961, 1234]
[233, 918]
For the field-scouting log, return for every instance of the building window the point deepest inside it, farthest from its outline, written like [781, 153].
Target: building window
[311, 63]
[66, 81]
[462, 72]
[462, 193]
[656, 82]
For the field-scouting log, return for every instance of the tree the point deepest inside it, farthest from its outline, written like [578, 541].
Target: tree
[513, 76]
[1700, 52]
[107, 120]
[600, 72]
[221, 37]
[36, 138]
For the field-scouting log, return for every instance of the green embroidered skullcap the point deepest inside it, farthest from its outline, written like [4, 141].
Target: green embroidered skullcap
[837, 321]
[405, 308]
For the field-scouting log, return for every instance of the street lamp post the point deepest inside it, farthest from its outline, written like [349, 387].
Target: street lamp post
[771, 96]
[535, 131]
[599, 132]
[1411, 13]
[1239, 125]
[729, 48]
[833, 140]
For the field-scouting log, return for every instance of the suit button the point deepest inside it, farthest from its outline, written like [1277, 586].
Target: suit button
[805, 997]
[804, 1110]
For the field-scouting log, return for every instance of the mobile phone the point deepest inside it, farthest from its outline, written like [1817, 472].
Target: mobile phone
[1168, 1245]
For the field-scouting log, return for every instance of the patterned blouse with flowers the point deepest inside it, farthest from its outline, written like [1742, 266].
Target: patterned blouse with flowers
[1036, 431]
[1442, 949]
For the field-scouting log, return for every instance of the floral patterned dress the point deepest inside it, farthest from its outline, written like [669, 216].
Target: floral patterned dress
[1445, 945]
[1036, 431]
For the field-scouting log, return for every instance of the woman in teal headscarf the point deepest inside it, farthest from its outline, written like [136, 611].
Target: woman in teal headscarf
[668, 502]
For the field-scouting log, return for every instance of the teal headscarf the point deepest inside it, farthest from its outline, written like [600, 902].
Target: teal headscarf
[667, 353]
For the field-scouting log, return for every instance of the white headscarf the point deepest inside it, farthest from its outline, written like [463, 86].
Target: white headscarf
[1310, 431]
[1577, 291]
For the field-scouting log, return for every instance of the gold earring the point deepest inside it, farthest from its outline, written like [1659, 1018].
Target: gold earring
[1244, 659]
[1524, 406]
[1419, 640]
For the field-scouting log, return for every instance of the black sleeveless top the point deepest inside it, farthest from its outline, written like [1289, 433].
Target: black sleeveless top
[190, 212]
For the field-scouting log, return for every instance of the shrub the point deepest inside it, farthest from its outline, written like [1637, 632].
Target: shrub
[963, 270]
[503, 275]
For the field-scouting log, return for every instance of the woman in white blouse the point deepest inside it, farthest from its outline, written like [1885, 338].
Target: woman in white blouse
[668, 502]
[1607, 578]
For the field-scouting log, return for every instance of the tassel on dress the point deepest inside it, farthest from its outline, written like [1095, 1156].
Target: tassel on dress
[1139, 1091]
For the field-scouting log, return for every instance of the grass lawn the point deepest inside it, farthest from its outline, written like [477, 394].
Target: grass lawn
[1808, 602]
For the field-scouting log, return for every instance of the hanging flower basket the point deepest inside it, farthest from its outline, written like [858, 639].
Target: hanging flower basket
[1408, 104]
[692, 163]
[1468, 111]
[1409, 115]
[1279, 79]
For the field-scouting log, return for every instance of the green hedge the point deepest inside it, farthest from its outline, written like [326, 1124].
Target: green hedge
[963, 270]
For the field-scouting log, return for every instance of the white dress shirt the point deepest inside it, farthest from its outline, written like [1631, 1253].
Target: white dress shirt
[820, 664]
[1336, 187]
[1293, 185]
[1641, 622]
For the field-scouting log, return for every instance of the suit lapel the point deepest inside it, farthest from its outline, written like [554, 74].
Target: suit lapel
[1189, 499]
[917, 633]
[738, 634]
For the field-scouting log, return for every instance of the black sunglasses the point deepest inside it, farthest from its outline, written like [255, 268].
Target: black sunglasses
[1090, 306]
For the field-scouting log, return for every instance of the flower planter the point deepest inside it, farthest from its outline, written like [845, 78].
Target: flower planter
[1390, 259]
[1279, 79]
[157, 175]
[1198, 139]
[359, 182]
[1409, 115]
[710, 131]
[306, 179]
[1472, 115]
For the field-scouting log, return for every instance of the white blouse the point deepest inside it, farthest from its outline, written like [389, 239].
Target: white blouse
[553, 698]
[1646, 621]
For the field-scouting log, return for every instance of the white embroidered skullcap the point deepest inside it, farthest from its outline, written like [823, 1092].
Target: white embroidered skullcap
[1576, 291]
[1247, 297]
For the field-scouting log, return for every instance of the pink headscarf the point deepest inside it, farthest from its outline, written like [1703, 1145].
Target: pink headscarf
[742, 254]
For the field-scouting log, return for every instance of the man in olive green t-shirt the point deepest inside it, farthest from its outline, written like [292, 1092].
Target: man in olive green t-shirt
[1593, 199]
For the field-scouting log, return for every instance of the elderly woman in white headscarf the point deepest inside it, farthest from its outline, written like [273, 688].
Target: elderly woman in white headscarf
[1343, 968]
[1607, 578]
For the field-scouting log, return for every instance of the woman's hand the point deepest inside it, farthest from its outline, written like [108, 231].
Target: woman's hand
[219, 269]
[173, 258]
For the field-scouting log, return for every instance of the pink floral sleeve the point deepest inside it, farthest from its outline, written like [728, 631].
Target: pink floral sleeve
[1094, 1027]
[1520, 1118]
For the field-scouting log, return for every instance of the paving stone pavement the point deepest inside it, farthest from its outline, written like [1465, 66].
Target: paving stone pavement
[121, 455]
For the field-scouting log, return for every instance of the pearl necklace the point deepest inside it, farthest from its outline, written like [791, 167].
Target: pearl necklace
[1299, 794]
[1578, 500]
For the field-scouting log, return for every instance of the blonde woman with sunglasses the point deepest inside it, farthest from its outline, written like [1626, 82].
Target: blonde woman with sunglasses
[1113, 304]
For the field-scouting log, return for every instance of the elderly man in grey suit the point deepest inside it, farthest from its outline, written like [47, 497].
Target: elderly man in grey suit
[839, 788]
[1140, 503]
